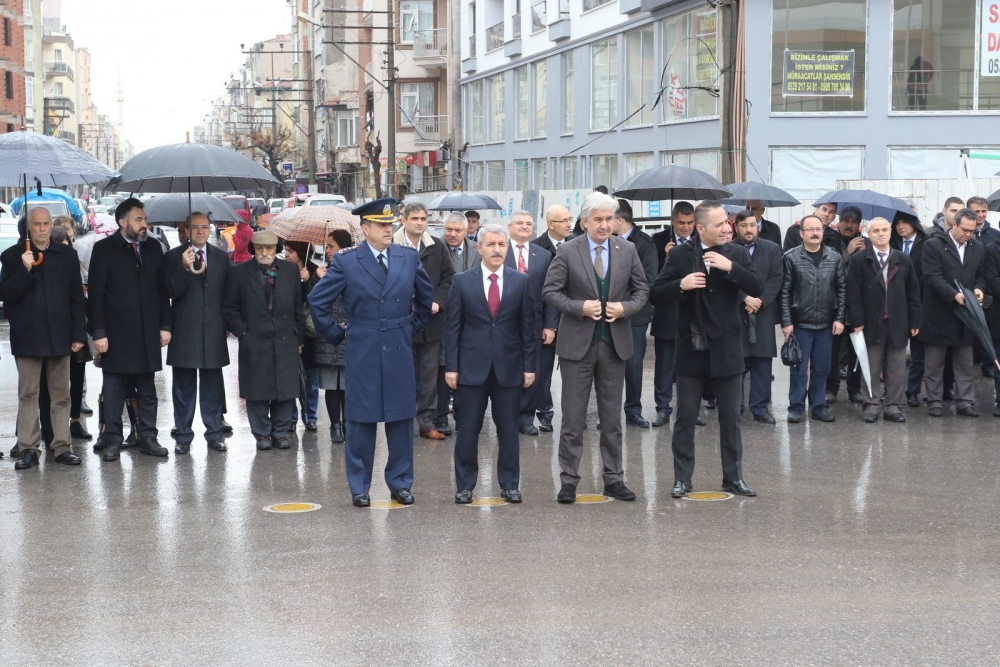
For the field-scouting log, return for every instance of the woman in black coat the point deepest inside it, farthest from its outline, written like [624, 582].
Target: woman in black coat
[330, 359]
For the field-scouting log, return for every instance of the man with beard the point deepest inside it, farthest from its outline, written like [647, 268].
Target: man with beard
[767, 230]
[263, 308]
[129, 321]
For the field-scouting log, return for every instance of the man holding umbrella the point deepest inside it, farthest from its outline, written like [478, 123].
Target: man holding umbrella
[951, 261]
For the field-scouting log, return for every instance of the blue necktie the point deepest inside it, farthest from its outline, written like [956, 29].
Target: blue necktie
[906, 246]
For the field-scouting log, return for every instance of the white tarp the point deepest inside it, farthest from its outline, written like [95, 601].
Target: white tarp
[809, 173]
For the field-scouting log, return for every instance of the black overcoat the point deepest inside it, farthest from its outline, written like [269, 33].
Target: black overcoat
[440, 269]
[766, 262]
[269, 341]
[128, 304]
[941, 265]
[198, 335]
[869, 297]
[45, 306]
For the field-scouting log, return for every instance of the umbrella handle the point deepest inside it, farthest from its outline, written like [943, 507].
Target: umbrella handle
[27, 248]
[194, 267]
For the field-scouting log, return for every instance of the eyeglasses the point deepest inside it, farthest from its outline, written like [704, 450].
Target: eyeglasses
[813, 230]
[563, 220]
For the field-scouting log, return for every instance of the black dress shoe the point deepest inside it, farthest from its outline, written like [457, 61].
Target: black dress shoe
[78, 432]
[619, 491]
[463, 497]
[131, 441]
[444, 429]
[681, 489]
[361, 500]
[527, 429]
[217, 446]
[699, 420]
[764, 418]
[949, 395]
[567, 494]
[68, 458]
[638, 421]
[823, 415]
[871, 418]
[912, 400]
[511, 495]
[855, 397]
[15, 451]
[934, 412]
[739, 487]
[152, 447]
[996, 411]
[85, 409]
[402, 496]
[967, 411]
[281, 442]
[28, 459]
[794, 417]
[110, 453]
[226, 427]
[182, 448]
[545, 425]
[336, 434]
[263, 443]
[831, 398]
[310, 426]
[897, 417]
[99, 443]
[842, 372]
[988, 372]
[662, 419]
[710, 404]
[174, 432]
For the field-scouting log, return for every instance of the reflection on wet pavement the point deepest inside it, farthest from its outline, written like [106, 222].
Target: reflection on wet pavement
[867, 544]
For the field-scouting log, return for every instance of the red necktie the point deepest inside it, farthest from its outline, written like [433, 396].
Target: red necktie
[201, 257]
[521, 268]
[494, 296]
[135, 249]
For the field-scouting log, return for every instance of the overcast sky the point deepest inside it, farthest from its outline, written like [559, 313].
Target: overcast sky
[173, 57]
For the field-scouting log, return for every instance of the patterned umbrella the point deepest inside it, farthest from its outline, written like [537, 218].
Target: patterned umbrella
[311, 224]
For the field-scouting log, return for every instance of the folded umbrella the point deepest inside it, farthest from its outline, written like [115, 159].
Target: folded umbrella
[861, 350]
[972, 316]
[872, 204]
[311, 224]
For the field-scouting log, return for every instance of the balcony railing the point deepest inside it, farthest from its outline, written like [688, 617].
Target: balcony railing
[60, 103]
[430, 128]
[472, 45]
[430, 43]
[494, 37]
[516, 27]
[58, 67]
[66, 136]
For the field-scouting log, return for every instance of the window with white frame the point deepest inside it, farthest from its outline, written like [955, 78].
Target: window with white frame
[570, 173]
[539, 129]
[521, 90]
[417, 102]
[636, 162]
[567, 92]
[690, 44]
[414, 16]
[639, 76]
[538, 22]
[495, 90]
[29, 91]
[520, 175]
[495, 175]
[540, 174]
[604, 84]
[474, 115]
[477, 176]
[707, 161]
[347, 128]
[604, 171]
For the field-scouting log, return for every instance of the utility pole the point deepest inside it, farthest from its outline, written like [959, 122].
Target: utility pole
[454, 91]
[390, 60]
[311, 110]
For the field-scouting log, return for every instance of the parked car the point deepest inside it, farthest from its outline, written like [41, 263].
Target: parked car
[239, 204]
[276, 205]
[325, 200]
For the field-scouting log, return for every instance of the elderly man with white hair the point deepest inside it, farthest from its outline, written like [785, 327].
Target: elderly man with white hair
[461, 248]
[597, 283]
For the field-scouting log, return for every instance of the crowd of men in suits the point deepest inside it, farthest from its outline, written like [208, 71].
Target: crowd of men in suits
[439, 326]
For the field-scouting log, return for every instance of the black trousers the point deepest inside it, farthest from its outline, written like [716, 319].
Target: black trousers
[727, 400]
[546, 366]
[531, 396]
[759, 369]
[842, 346]
[663, 374]
[186, 393]
[117, 388]
[444, 398]
[633, 373]
[505, 402]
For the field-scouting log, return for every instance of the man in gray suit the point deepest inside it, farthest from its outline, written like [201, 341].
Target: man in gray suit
[597, 283]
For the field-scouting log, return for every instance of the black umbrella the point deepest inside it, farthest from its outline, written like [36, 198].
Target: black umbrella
[973, 317]
[191, 168]
[463, 201]
[768, 195]
[27, 156]
[994, 201]
[670, 183]
[169, 210]
[872, 204]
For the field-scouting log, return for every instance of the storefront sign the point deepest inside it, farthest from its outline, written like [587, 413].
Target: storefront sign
[818, 74]
[706, 32]
[989, 45]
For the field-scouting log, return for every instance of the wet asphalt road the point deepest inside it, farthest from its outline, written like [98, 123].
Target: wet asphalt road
[867, 545]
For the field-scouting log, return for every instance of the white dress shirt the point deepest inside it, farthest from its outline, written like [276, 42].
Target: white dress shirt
[486, 281]
[204, 253]
[960, 248]
[555, 242]
[519, 249]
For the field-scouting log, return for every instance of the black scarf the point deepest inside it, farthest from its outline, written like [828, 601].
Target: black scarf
[705, 324]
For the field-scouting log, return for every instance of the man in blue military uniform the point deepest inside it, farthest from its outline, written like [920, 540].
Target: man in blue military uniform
[387, 296]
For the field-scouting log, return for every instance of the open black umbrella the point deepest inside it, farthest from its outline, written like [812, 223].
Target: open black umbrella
[872, 204]
[463, 201]
[994, 201]
[191, 168]
[974, 318]
[27, 156]
[169, 210]
[670, 183]
[768, 195]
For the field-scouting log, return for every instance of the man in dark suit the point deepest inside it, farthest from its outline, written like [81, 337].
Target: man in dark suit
[387, 296]
[129, 321]
[708, 277]
[263, 308]
[598, 284]
[664, 327]
[559, 225]
[883, 301]
[533, 261]
[947, 258]
[625, 229]
[767, 230]
[759, 315]
[491, 344]
[196, 276]
[908, 237]
[427, 343]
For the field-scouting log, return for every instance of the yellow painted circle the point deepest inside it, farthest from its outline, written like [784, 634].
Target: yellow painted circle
[708, 495]
[387, 505]
[592, 498]
[292, 508]
[487, 502]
